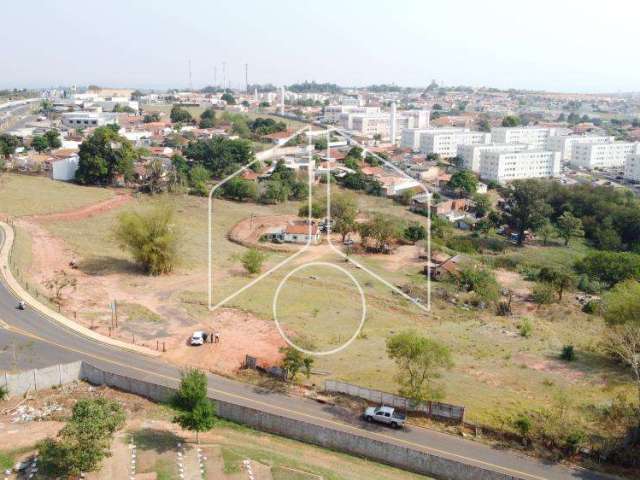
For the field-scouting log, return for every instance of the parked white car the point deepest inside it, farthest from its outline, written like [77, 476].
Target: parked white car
[384, 414]
[197, 338]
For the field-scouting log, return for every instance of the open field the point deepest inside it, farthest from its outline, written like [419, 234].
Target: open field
[29, 195]
[497, 373]
[196, 111]
[161, 447]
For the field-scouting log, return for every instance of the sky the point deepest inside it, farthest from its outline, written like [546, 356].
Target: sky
[559, 45]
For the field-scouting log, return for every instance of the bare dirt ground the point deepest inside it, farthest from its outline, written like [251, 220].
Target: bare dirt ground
[248, 231]
[156, 316]
[520, 287]
[87, 211]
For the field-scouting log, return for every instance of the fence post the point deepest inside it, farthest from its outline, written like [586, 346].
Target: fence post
[35, 380]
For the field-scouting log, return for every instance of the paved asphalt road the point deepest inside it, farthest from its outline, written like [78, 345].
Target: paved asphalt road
[28, 339]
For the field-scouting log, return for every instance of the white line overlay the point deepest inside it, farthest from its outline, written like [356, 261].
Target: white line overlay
[310, 176]
[363, 303]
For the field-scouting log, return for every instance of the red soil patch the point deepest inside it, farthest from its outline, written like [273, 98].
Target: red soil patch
[85, 212]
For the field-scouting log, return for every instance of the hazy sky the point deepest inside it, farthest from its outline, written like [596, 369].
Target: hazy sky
[564, 45]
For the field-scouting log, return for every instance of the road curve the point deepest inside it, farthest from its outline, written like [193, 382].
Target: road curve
[51, 342]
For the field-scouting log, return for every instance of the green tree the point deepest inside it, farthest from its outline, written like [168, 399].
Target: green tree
[380, 228]
[84, 441]
[415, 232]
[483, 125]
[228, 98]
[180, 115]
[294, 361]
[53, 139]
[318, 209]
[527, 204]
[240, 189]
[198, 180]
[482, 204]
[546, 231]
[480, 281]
[569, 226]
[39, 144]
[463, 181]
[103, 156]
[195, 410]
[208, 118]
[419, 360]
[610, 267]
[151, 238]
[511, 121]
[8, 144]
[151, 117]
[252, 260]
[344, 209]
[220, 155]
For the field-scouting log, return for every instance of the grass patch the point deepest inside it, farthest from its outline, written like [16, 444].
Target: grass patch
[285, 473]
[29, 195]
[232, 460]
[165, 469]
[8, 458]
[139, 313]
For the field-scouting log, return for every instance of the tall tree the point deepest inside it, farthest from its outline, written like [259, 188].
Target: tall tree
[527, 207]
[344, 209]
[39, 143]
[53, 139]
[569, 226]
[419, 360]
[84, 441]
[180, 115]
[463, 181]
[195, 410]
[103, 156]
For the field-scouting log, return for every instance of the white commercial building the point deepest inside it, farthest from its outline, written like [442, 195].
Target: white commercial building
[632, 168]
[529, 135]
[602, 155]
[88, 119]
[503, 167]
[445, 142]
[471, 154]
[564, 144]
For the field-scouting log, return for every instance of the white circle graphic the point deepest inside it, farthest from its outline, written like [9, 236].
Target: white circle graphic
[362, 300]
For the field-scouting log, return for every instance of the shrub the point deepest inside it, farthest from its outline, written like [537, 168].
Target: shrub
[525, 328]
[610, 267]
[568, 354]
[523, 425]
[4, 393]
[591, 307]
[574, 440]
[252, 260]
[462, 244]
[480, 281]
[543, 293]
[150, 237]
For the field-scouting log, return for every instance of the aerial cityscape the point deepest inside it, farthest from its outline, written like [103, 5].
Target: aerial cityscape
[358, 240]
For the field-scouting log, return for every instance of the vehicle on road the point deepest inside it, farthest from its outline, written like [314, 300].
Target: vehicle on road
[387, 415]
[197, 338]
[21, 305]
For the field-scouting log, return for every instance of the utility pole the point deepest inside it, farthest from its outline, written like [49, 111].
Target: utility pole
[190, 79]
[224, 75]
[215, 76]
[246, 77]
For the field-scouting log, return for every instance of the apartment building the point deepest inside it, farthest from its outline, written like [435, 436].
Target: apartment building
[410, 137]
[504, 167]
[445, 142]
[564, 144]
[379, 123]
[632, 168]
[534, 136]
[471, 154]
[602, 155]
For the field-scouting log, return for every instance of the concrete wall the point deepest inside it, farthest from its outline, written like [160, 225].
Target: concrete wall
[401, 457]
[334, 439]
[40, 379]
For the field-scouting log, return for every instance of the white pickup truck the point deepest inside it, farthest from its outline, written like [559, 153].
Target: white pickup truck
[384, 414]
